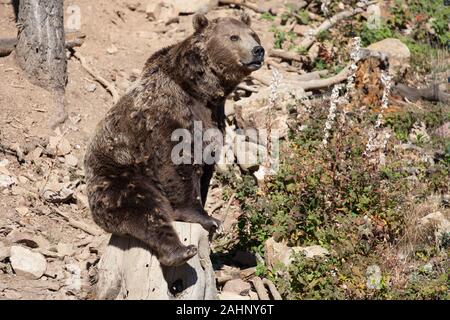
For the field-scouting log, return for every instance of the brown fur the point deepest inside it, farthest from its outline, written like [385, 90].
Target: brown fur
[133, 186]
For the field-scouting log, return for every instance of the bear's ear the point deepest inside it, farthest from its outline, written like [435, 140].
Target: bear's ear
[245, 18]
[200, 22]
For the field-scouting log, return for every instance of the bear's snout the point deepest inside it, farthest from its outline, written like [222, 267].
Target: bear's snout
[258, 52]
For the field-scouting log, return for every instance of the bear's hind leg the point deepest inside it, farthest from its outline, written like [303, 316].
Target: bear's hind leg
[157, 232]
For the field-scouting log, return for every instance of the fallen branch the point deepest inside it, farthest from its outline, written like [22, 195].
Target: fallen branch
[78, 224]
[344, 74]
[307, 42]
[286, 55]
[273, 290]
[106, 84]
[246, 88]
[413, 94]
[243, 3]
[13, 150]
[73, 39]
[287, 68]
[260, 289]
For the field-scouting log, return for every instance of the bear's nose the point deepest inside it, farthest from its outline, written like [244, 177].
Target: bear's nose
[258, 52]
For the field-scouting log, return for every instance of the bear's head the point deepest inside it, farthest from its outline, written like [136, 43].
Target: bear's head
[232, 47]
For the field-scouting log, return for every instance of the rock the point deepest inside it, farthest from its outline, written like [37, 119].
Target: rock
[276, 252]
[34, 155]
[133, 6]
[231, 296]
[71, 160]
[397, 52]
[5, 171]
[251, 113]
[59, 146]
[5, 251]
[91, 87]
[12, 295]
[279, 252]
[237, 286]
[22, 210]
[313, 52]
[27, 263]
[23, 180]
[161, 11]
[302, 30]
[62, 196]
[65, 249]
[112, 49]
[443, 131]
[312, 251]
[28, 239]
[82, 200]
[440, 221]
[253, 295]
[7, 181]
[4, 162]
[262, 173]
[373, 274]
[193, 6]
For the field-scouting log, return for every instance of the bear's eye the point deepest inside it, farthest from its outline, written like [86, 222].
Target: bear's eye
[234, 38]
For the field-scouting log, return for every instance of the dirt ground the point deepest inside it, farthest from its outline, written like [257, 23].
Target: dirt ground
[119, 39]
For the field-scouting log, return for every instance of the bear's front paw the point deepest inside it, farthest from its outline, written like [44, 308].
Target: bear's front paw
[212, 224]
[179, 256]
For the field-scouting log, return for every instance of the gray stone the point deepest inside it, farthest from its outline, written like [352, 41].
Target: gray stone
[5, 251]
[65, 249]
[161, 11]
[71, 160]
[7, 181]
[312, 251]
[279, 252]
[397, 52]
[27, 263]
[444, 131]
[59, 146]
[237, 286]
[91, 87]
[192, 6]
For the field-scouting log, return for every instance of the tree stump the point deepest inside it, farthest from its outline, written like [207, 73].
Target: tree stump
[129, 271]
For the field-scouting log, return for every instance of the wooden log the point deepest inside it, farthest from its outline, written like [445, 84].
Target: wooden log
[73, 39]
[129, 271]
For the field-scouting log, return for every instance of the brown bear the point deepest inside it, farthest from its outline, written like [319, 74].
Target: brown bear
[133, 186]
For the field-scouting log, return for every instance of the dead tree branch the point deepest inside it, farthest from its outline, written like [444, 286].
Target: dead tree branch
[413, 94]
[308, 41]
[106, 84]
[73, 39]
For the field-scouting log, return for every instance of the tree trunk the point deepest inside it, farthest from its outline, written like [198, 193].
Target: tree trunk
[40, 45]
[129, 271]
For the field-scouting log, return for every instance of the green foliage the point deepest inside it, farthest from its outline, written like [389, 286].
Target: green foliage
[267, 16]
[428, 19]
[334, 198]
[370, 35]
